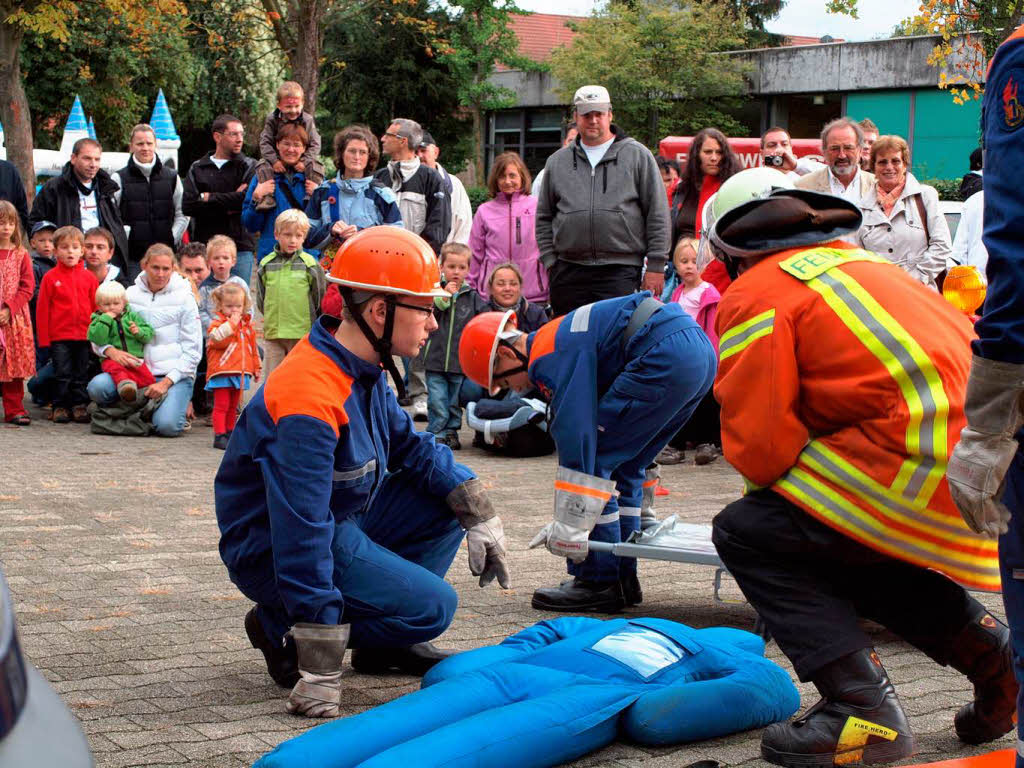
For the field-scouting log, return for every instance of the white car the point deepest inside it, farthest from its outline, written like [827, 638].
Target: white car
[951, 210]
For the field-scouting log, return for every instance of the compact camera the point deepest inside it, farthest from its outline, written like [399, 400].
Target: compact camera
[774, 161]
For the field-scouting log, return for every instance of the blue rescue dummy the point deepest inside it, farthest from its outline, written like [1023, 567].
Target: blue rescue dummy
[556, 691]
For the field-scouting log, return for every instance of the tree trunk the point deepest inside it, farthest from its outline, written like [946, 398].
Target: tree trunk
[305, 58]
[478, 143]
[14, 112]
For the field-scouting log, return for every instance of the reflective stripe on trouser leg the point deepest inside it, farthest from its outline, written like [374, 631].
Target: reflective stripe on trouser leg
[1011, 571]
[601, 566]
[629, 521]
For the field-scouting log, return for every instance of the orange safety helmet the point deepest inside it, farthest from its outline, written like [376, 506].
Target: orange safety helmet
[387, 259]
[478, 346]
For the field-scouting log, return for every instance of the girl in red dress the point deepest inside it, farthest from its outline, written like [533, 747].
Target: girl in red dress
[17, 353]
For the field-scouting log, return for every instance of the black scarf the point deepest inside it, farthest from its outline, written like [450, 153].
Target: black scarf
[82, 189]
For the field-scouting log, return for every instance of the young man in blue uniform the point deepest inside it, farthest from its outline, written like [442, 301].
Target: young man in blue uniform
[986, 471]
[337, 518]
[622, 376]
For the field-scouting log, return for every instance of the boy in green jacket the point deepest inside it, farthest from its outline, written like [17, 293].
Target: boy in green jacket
[115, 325]
[289, 286]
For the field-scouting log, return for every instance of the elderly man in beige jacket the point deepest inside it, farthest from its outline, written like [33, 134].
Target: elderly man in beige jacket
[842, 142]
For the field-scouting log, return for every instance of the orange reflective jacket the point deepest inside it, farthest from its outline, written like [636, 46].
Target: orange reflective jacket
[842, 384]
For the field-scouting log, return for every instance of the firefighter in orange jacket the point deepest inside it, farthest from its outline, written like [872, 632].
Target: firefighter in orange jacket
[842, 383]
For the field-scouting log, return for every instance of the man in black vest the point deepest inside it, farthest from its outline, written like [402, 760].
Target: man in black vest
[149, 196]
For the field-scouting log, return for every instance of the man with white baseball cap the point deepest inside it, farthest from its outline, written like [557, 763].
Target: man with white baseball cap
[602, 211]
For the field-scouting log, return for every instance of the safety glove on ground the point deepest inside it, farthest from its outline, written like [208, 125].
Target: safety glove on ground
[320, 648]
[579, 500]
[978, 466]
[485, 535]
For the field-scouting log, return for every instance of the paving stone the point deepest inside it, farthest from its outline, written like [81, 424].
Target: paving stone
[123, 603]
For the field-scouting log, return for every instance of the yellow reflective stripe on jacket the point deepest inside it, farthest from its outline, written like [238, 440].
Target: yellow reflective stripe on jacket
[834, 468]
[740, 336]
[910, 367]
[811, 263]
[843, 514]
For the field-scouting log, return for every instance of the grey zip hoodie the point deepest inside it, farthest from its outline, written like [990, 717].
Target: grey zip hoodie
[616, 213]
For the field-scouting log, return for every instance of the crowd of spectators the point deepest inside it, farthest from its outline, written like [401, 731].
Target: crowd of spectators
[97, 306]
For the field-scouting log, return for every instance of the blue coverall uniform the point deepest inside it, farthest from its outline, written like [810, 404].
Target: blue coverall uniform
[556, 691]
[1001, 328]
[332, 507]
[615, 406]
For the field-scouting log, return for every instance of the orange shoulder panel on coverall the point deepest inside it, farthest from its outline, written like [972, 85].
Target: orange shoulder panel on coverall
[842, 384]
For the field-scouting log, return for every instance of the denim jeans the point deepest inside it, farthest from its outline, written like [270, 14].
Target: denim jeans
[43, 385]
[243, 266]
[71, 370]
[443, 411]
[471, 392]
[168, 419]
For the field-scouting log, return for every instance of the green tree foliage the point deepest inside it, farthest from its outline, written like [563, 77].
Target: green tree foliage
[113, 78]
[55, 20]
[481, 40]
[383, 63]
[237, 68]
[755, 13]
[207, 63]
[660, 65]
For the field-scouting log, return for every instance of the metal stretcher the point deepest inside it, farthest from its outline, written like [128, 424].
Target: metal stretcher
[670, 540]
[679, 543]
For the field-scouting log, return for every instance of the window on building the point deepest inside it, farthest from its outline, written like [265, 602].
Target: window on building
[533, 133]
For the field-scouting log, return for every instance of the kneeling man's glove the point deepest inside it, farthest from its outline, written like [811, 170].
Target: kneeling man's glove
[579, 500]
[485, 535]
[977, 468]
[321, 648]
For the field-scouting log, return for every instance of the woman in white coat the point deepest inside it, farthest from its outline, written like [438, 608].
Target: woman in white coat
[165, 299]
[902, 220]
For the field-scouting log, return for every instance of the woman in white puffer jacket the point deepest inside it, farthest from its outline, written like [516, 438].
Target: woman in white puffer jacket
[165, 300]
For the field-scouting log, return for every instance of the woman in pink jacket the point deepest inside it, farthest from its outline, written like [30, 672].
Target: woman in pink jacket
[503, 230]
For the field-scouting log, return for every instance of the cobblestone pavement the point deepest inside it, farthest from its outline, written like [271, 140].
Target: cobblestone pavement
[110, 548]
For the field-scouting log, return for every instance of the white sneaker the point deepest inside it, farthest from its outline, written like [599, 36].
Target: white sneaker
[419, 411]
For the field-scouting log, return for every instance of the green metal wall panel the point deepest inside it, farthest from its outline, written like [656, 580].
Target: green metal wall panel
[945, 134]
[890, 110]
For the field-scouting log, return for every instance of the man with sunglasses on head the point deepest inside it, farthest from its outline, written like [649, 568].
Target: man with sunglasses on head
[426, 211]
[337, 518]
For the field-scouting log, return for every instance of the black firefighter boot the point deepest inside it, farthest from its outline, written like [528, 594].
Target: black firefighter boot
[858, 720]
[982, 652]
[282, 660]
[577, 595]
[409, 660]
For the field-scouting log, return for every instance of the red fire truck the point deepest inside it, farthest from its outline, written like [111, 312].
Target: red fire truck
[748, 150]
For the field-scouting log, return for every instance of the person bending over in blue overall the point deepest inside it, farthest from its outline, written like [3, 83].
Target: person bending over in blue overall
[337, 518]
[987, 464]
[622, 376]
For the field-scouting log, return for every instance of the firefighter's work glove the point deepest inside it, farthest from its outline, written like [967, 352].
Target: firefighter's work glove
[485, 535]
[977, 468]
[320, 648]
[579, 500]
